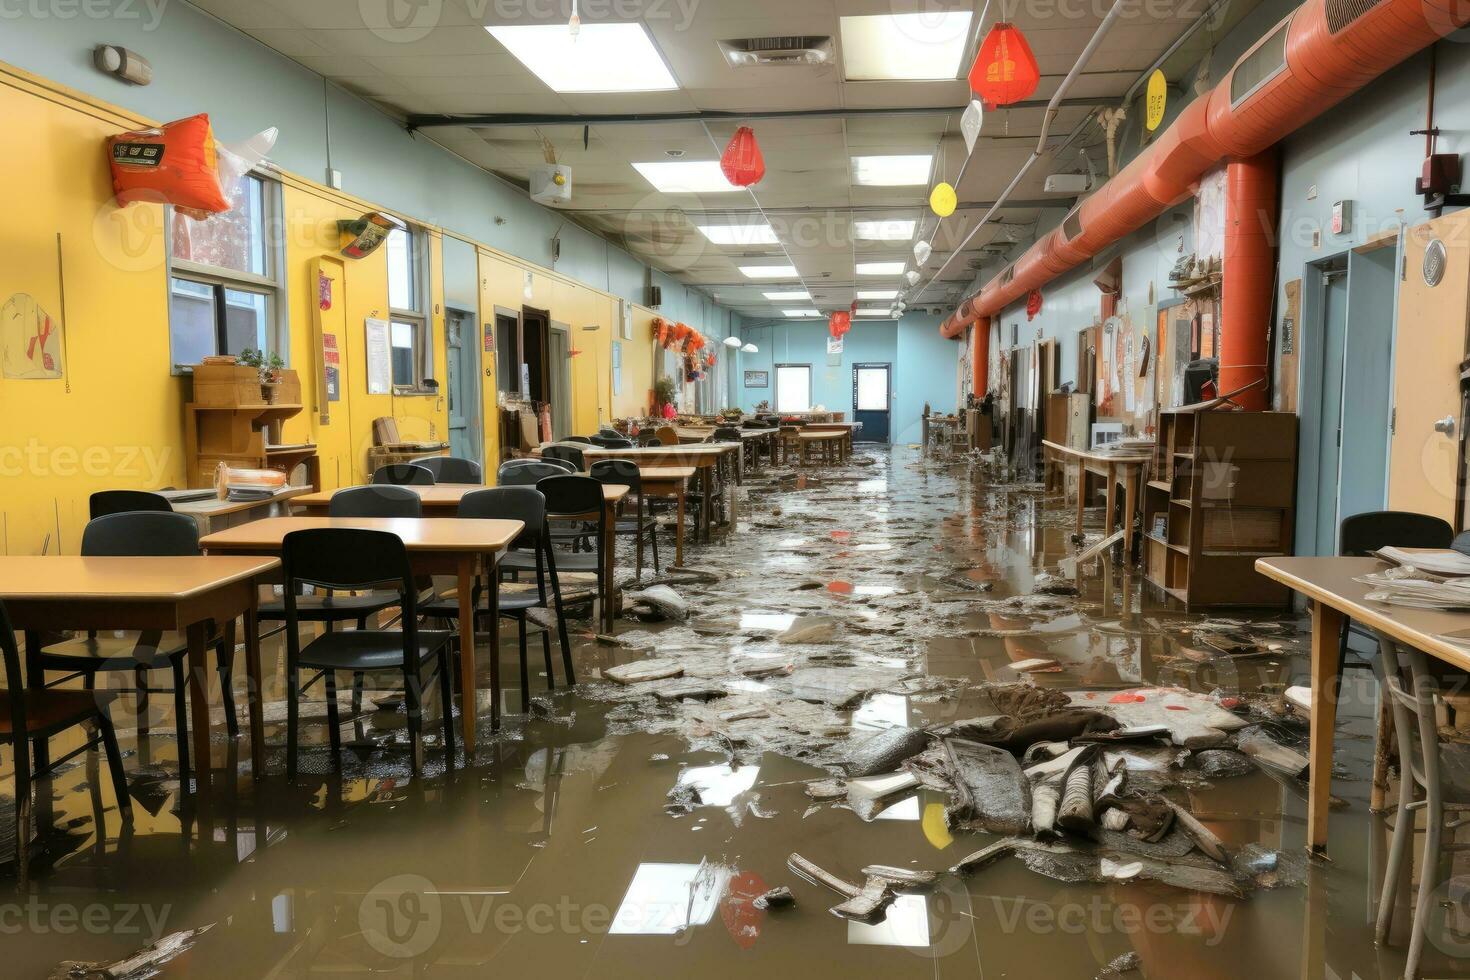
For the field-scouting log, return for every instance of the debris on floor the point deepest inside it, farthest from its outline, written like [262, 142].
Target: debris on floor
[146, 962]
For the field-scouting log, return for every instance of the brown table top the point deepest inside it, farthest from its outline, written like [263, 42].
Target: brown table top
[832, 426]
[1097, 457]
[444, 494]
[214, 507]
[662, 473]
[1330, 582]
[72, 577]
[693, 449]
[820, 434]
[448, 534]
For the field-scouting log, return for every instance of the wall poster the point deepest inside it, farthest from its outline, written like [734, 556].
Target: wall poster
[757, 379]
[31, 340]
[379, 358]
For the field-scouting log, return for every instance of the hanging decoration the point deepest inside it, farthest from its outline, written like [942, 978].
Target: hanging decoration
[709, 359]
[175, 164]
[1156, 100]
[681, 333]
[911, 277]
[839, 323]
[922, 251]
[943, 199]
[742, 161]
[1033, 304]
[970, 122]
[661, 331]
[1005, 69]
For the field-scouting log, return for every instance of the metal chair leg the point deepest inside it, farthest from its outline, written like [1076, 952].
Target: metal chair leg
[293, 719]
[115, 766]
[446, 704]
[334, 723]
[525, 672]
[181, 722]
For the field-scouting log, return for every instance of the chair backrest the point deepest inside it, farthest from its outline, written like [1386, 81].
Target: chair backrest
[141, 534]
[571, 454]
[404, 475]
[619, 473]
[585, 440]
[379, 500]
[105, 502]
[648, 437]
[726, 433]
[607, 432]
[524, 504]
[572, 495]
[452, 469]
[607, 443]
[1363, 534]
[752, 424]
[668, 435]
[529, 472]
[348, 558]
[14, 685]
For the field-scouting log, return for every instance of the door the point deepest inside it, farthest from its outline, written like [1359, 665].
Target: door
[463, 372]
[1429, 344]
[1363, 468]
[1329, 409]
[559, 359]
[871, 403]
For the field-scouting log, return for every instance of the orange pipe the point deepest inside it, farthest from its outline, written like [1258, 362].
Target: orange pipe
[1327, 60]
[980, 357]
[1249, 274]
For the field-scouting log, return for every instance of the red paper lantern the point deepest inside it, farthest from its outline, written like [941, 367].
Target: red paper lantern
[742, 161]
[1005, 69]
[839, 323]
[1033, 304]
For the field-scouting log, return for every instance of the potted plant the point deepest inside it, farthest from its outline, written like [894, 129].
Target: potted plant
[663, 393]
[269, 367]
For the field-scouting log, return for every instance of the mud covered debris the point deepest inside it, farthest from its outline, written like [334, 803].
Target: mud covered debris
[145, 963]
[777, 898]
[885, 751]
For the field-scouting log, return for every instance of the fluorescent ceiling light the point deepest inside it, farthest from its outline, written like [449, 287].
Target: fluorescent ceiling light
[796, 313]
[905, 170]
[877, 293]
[599, 58]
[873, 311]
[792, 294]
[768, 271]
[879, 268]
[890, 230]
[752, 234]
[926, 45]
[686, 176]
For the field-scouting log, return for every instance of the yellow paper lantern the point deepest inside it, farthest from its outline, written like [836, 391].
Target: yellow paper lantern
[943, 200]
[1157, 100]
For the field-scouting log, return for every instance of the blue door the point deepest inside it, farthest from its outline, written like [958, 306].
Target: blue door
[871, 402]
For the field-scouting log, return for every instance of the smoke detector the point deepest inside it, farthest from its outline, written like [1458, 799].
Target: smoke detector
[754, 52]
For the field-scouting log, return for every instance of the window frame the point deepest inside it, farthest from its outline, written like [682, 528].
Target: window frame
[780, 410]
[417, 319]
[220, 279]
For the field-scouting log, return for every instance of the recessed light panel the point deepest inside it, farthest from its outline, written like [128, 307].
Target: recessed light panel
[598, 58]
[879, 268]
[890, 230]
[751, 234]
[893, 170]
[768, 271]
[911, 46]
[686, 176]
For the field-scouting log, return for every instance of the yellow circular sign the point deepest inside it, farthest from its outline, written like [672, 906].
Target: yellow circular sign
[943, 200]
[1156, 99]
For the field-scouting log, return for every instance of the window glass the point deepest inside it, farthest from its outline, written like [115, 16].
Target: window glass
[191, 321]
[404, 341]
[234, 240]
[872, 390]
[793, 388]
[402, 280]
[245, 321]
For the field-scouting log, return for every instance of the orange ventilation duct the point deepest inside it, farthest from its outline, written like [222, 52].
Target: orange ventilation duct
[980, 357]
[1319, 55]
[1248, 274]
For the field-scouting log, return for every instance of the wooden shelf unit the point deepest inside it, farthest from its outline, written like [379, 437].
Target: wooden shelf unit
[1226, 482]
[230, 422]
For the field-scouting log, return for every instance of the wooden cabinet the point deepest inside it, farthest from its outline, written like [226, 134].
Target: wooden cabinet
[1222, 495]
[235, 420]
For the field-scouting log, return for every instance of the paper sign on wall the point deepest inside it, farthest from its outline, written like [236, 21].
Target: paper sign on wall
[834, 345]
[379, 358]
[617, 367]
[31, 340]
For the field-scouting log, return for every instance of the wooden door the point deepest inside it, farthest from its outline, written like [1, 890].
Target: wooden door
[1429, 344]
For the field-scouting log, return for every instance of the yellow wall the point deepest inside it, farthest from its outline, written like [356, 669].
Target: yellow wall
[116, 418]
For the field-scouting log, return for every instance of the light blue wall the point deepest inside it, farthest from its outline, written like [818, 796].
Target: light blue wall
[203, 65]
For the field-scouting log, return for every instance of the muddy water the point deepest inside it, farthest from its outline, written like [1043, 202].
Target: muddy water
[554, 850]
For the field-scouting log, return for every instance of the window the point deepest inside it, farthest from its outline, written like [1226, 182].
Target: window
[793, 387]
[413, 347]
[224, 288]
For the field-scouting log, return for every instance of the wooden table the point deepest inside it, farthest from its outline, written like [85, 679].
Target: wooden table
[829, 442]
[214, 514]
[846, 428]
[439, 546]
[1115, 470]
[754, 439]
[669, 481]
[442, 500]
[184, 594]
[704, 457]
[1328, 582]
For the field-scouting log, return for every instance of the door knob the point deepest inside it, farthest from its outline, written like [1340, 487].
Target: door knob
[1446, 425]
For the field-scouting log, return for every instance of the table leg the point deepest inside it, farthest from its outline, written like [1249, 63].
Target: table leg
[609, 583]
[1326, 630]
[706, 506]
[679, 527]
[255, 702]
[465, 587]
[1081, 494]
[36, 681]
[1112, 500]
[198, 638]
[1130, 498]
[492, 578]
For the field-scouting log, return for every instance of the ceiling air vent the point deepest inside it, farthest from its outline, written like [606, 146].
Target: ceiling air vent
[1072, 224]
[1261, 65]
[1341, 13]
[753, 52]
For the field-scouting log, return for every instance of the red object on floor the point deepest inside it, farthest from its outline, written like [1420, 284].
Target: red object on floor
[840, 587]
[1127, 697]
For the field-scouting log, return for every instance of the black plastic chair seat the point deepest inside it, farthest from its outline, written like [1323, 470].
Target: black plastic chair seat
[331, 608]
[368, 649]
[566, 561]
[90, 654]
[52, 711]
[447, 607]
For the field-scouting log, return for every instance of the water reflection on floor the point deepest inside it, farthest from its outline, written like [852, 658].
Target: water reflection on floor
[554, 851]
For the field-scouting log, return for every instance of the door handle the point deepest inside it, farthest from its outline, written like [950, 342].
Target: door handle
[1446, 425]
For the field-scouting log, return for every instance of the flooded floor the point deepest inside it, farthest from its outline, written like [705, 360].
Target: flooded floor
[625, 830]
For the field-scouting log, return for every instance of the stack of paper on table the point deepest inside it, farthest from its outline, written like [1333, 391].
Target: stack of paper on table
[1408, 586]
[1434, 561]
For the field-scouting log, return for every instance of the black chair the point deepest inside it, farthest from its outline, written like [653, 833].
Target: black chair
[144, 534]
[582, 439]
[29, 715]
[624, 473]
[606, 442]
[725, 433]
[607, 432]
[404, 475]
[529, 472]
[356, 559]
[329, 609]
[577, 499]
[452, 469]
[527, 505]
[1363, 534]
[648, 437]
[571, 454]
[105, 502]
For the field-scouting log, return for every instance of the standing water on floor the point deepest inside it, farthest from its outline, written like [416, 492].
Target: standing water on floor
[836, 698]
